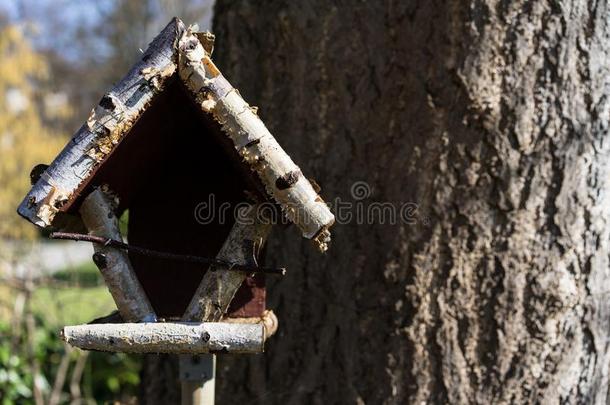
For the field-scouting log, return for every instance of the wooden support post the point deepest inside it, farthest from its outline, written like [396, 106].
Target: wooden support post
[198, 379]
[97, 212]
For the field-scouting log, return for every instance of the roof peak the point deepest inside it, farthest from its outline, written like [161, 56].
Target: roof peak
[180, 52]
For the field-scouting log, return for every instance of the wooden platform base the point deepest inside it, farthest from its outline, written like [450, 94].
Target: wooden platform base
[168, 337]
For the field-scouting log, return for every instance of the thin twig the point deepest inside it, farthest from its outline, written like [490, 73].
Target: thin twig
[60, 377]
[165, 255]
[30, 325]
[17, 320]
[77, 376]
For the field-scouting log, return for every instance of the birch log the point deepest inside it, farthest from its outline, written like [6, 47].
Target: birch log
[218, 287]
[109, 122]
[98, 216]
[281, 177]
[162, 337]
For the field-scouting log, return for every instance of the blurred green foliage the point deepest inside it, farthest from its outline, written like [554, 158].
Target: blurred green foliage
[82, 296]
[86, 299]
[15, 378]
[85, 275]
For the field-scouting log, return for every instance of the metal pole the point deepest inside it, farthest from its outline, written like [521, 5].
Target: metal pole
[197, 378]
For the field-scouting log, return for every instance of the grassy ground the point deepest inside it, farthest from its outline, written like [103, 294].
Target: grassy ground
[71, 306]
[72, 296]
[86, 298]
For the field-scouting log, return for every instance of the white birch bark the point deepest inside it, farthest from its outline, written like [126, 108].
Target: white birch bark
[115, 115]
[123, 105]
[281, 177]
[167, 337]
[98, 216]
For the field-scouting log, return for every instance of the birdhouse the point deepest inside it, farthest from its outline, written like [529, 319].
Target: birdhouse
[172, 135]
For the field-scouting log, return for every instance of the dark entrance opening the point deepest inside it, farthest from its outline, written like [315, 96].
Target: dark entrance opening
[180, 178]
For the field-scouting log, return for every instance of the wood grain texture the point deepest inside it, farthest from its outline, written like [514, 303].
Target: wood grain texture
[491, 116]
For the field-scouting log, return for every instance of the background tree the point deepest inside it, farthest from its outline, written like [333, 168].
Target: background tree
[493, 117]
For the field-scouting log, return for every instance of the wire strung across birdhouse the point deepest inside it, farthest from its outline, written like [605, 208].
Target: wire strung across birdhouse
[166, 255]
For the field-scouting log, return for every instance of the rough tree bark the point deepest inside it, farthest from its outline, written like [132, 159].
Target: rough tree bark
[491, 116]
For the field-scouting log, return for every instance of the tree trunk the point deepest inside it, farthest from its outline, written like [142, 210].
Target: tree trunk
[492, 117]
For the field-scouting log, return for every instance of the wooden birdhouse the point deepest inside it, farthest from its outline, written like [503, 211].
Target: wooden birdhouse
[173, 134]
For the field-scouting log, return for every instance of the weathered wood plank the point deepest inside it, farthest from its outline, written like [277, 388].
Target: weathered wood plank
[167, 337]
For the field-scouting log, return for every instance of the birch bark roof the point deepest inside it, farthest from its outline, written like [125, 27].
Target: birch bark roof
[178, 53]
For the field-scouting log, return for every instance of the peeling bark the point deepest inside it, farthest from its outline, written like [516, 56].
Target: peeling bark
[493, 118]
[254, 143]
[178, 49]
[109, 121]
[268, 319]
